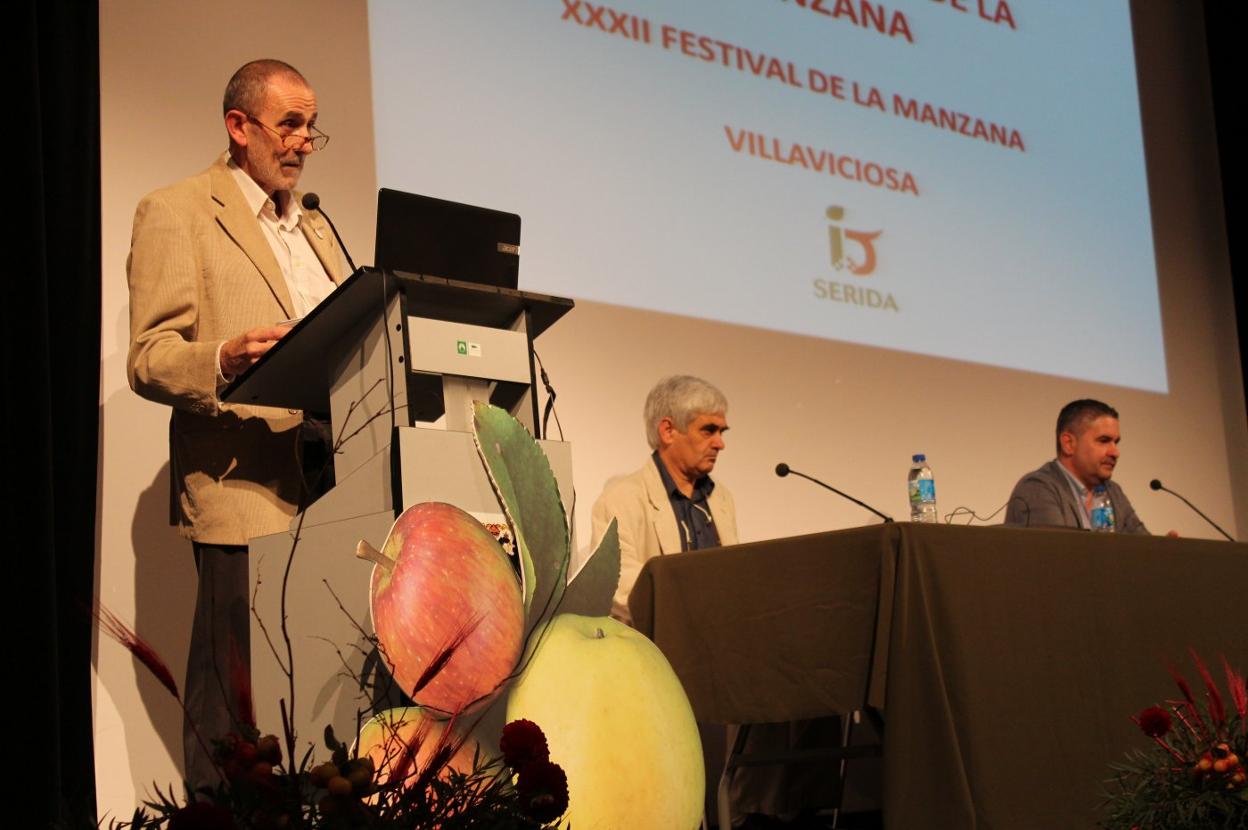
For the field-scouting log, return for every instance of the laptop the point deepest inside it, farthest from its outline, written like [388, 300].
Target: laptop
[434, 237]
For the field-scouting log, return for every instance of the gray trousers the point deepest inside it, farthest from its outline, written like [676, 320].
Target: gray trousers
[222, 623]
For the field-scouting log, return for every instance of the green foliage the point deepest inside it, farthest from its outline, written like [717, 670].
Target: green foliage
[484, 799]
[591, 593]
[526, 487]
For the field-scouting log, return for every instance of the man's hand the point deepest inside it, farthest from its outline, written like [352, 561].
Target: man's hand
[239, 354]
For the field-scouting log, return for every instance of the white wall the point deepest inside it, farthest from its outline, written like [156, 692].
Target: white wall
[850, 414]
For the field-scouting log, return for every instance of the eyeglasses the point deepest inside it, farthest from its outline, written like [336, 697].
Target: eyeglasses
[294, 141]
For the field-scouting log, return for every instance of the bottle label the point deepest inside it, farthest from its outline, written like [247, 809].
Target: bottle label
[1103, 517]
[923, 491]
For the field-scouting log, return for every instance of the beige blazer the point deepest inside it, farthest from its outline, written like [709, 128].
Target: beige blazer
[201, 272]
[647, 525]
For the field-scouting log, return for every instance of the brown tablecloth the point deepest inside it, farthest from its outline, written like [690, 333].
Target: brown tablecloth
[1006, 662]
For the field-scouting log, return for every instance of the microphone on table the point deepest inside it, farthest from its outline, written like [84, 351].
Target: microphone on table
[311, 201]
[783, 470]
[1157, 485]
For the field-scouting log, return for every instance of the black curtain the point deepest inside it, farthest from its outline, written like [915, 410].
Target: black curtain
[1224, 35]
[51, 319]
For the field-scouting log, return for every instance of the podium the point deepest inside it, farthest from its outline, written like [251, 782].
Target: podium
[394, 360]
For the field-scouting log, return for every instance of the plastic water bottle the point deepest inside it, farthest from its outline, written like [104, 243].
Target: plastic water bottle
[922, 486]
[1102, 513]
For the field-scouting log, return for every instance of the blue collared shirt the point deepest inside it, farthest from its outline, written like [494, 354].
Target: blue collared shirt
[1081, 496]
[693, 513]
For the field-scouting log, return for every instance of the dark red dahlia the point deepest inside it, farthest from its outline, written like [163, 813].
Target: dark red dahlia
[522, 743]
[543, 790]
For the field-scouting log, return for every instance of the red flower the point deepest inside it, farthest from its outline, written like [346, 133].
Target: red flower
[522, 743]
[1154, 721]
[543, 790]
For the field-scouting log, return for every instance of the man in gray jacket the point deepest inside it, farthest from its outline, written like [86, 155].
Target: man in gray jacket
[1059, 494]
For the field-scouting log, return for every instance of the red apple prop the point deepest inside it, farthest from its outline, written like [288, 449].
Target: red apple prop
[618, 720]
[442, 582]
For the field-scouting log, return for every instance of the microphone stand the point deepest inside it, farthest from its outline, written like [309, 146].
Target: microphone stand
[783, 470]
[1157, 485]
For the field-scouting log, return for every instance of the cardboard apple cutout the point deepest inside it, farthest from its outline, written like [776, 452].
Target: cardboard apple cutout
[618, 721]
[446, 607]
[614, 712]
[615, 715]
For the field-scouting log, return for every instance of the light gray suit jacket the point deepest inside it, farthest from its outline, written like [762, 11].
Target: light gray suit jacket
[1043, 498]
[647, 525]
[201, 272]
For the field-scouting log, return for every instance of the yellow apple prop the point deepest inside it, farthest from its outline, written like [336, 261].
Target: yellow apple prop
[618, 720]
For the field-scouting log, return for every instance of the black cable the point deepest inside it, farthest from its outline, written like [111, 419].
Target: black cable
[385, 330]
[966, 511]
[550, 399]
[549, 410]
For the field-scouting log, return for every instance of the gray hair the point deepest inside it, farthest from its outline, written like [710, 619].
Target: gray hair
[681, 398]
[247, 86]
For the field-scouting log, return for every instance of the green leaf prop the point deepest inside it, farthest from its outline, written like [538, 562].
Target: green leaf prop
[526, 488]
[591, 592]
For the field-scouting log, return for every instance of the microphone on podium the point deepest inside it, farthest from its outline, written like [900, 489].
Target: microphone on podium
[311, 201]
[783, 470]
[1157, 485]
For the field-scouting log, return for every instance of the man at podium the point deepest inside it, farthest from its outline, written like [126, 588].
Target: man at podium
[219, 265]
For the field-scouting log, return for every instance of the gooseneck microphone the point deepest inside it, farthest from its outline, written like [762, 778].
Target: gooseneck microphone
[783, 470]
[311, 201]
[1157, 485]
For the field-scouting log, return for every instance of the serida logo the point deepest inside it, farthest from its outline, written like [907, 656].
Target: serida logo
[852, 250]
[865, 240]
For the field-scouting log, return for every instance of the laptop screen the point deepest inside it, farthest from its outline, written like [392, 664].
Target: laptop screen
[434, 237]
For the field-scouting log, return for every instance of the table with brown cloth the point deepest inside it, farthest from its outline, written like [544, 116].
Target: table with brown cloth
[1007, 662]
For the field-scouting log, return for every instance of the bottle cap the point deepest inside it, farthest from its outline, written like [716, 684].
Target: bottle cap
[1098, 489]
[919, 457]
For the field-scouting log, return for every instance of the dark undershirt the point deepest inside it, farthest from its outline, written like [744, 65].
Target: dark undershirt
[693, 514]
